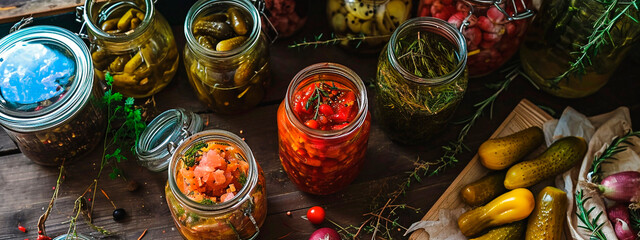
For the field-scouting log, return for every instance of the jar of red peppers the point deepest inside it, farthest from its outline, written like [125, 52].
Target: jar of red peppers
[216, 189]
[50, 102]
[493, 28]
[323, 128]
[365, 25]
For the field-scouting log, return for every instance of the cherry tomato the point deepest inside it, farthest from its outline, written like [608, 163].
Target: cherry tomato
[312, 123]
[315, 215]
[325, 109]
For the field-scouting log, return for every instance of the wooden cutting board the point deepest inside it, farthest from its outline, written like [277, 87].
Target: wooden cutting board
[14, 10]
[524, 115]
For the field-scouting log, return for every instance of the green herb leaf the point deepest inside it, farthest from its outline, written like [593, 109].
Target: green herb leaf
[583, 215]
[619, 144]
[189, 157]
[207, 201]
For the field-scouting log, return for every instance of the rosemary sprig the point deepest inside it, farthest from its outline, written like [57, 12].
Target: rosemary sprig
[608, 154]
[599, 37]
[334, 40]
[592, 226]
[317, 95]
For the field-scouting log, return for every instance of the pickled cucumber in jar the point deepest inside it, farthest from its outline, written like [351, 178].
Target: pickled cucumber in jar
[233, 84]
[366, 25]
[150, 59]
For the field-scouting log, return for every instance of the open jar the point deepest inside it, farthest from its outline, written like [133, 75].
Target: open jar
[323, 128]
[493, 28]
[216, 189]
[227, 55]
[417, 93]
[50, 103]
[553, 47]
[365, 25]
[134, 43]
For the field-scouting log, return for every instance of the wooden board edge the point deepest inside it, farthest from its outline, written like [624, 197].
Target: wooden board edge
[43, 12]
[524, 105]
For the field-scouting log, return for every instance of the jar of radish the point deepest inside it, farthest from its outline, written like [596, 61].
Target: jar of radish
[493, 28]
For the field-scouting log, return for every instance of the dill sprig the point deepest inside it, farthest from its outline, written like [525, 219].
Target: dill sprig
[590, 225]
[599, 37]
[608, 154]
[334, 40]
[189, 157]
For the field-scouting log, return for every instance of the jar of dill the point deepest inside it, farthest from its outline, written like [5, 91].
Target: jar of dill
[422, 76]
[573, 50]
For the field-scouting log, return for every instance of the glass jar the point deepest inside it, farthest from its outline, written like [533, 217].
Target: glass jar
[50, 104]
[324, 159]
[197, 216]
[234, 77]
[134, 43]
[287, 16]
[77, 236]
[368, 23]
[554, 42]
[165, 132]
[409, 108]
[494, 29]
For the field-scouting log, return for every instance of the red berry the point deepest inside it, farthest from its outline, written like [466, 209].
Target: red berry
[312, 123]
[22, 229]
[316, 215]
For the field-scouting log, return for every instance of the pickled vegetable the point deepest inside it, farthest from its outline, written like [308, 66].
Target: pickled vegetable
[484, 190]
[233, 84]
[546, 221]
[374, 20]
[411, 112]
[317, 164]
[146, 65]
[501, 153]
[491, 38]
[507, 208]
[210, 173]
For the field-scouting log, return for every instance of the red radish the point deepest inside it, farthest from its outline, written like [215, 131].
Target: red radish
[456, 19]
[473, 20]
[486, 25]
[495, 15]
[623, 232]
[487, 45]
[473, 36]
[462, 7]
[325, 234]
[511, 29]
[622, 187]
[491, 37]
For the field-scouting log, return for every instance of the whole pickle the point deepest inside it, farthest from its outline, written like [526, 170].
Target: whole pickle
[140, 15]
[148, 54]
[132, 64]
[124, 23]
[110, 24]
[216, 17]
[218, 30]
[118, 64]
[124, 80]
[244, 72]
[135, 22]
[237, 21]
[207, 41]
[230, 44]
[142, 72]
[99, 55]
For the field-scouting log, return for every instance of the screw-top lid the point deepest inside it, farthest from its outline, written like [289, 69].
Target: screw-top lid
[163, 135]
[45, 76]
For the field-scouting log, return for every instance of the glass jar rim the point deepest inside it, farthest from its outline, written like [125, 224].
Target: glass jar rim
[76, 97]
[244, 193]
[436, 26]
[176, 125]
[200, 7]
[328, 68]
[96, 30]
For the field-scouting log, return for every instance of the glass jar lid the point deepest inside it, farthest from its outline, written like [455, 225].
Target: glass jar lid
[163, 135]
[45, 72]
[70, 237]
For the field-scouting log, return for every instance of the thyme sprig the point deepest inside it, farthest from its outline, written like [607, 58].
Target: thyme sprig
[189, 157]
[619, 144]
[599, 37]
[590, 225]
[316, 96]
[334, 40]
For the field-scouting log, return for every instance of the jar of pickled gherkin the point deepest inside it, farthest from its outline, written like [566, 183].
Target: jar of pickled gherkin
[227, 55]
[216, 189]
[422, 77]
[164, 133]
[493, 28]
[576, 46]
[323, 128]
[133, 42]
[365, 25]
[50, 102]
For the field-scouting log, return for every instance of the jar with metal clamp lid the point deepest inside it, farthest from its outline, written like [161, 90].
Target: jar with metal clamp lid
[133, 42]
[573, 50]
[365, 25]
[494, 29]
[227, 54]
[50, 102]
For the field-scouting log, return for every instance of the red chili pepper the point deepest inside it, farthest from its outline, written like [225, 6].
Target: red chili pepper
[43, 237]
[22, 229]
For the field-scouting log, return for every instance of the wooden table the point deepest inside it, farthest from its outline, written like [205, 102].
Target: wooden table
[25, 188]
